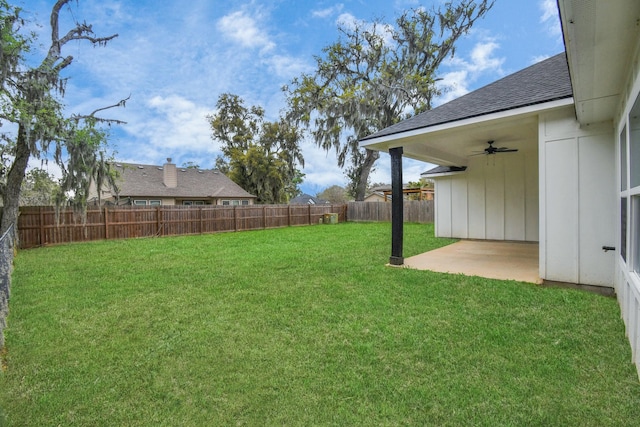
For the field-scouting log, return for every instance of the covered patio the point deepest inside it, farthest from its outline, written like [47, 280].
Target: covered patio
[492, 259]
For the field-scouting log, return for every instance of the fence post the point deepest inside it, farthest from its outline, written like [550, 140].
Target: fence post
[264, 217]
[289, 216]
[158, 221]
[309, 214]
[106, 223]
[235, 218]
[42, 236]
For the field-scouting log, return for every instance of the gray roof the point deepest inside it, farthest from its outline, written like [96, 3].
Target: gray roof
[444, 169]
[306, 199]
[542, 82]
[137, 180]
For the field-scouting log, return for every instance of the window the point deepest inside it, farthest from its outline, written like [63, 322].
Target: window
[140, 202]
[155, 202]
[225, 203]
[245, 203]
[630, 189]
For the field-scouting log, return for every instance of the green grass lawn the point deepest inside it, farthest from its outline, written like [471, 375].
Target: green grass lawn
[301, 326]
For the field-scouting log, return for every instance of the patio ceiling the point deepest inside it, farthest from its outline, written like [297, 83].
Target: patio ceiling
[452, 144]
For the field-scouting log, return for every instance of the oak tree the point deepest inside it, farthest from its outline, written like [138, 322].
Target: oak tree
[375, 75]
[260, 156]
[30, 103]
[334, 194]
[39, 188]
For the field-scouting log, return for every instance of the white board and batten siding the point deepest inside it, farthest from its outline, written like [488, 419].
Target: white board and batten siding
[577, 200]
[496, 198]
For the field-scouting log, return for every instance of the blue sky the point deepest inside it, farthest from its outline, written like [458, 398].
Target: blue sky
[176, 57]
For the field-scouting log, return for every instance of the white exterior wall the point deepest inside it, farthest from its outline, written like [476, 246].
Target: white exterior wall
[496, 198]
[577, 200]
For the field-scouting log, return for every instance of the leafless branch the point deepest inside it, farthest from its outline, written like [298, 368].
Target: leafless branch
[79, 32]
[92, 115]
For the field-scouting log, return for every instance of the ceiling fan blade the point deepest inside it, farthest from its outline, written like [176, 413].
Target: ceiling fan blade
[493, 150]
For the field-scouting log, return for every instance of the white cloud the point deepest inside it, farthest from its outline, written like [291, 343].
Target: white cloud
[325, 13]
[550, 17]
[406, 4]
[288, 66]
[482, 58]
[453, 85]
[347, 20]
[539, 58]
[184, 122]
[549, 10]
[244, 29]
[173, 127]
[464, 72]
[350, 22]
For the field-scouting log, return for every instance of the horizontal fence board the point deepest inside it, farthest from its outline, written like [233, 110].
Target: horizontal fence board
[413, 211]
[43, 225]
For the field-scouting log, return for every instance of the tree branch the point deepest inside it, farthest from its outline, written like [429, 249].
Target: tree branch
[92, 115]
[80, 32]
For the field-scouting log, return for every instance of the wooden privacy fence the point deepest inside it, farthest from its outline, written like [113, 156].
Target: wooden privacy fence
[38, 226]
[414, 211]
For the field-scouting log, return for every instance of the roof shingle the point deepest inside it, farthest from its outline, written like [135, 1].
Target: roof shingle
[542, 82]
[138, 180]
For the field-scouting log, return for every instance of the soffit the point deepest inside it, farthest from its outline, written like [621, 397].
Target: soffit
[600, 38]
[453, 144]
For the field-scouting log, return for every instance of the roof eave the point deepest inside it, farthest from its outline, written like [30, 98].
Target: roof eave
[386, 142]
[600, 39]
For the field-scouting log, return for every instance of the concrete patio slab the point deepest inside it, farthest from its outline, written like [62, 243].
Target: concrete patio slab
[491, 259]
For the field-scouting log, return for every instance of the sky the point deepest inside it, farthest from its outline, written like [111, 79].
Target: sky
[174, 58]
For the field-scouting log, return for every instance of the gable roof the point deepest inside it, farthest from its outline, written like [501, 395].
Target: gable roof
[137, 180]
[306, 199]
[542, 82]
[438, 170]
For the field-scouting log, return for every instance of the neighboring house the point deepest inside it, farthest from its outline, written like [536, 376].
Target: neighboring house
[375, 196]
[574, 183]
[170, 185]
[306, 199]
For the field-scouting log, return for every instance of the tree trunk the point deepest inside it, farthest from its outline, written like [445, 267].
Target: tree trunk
[14, 182]
[363, 179]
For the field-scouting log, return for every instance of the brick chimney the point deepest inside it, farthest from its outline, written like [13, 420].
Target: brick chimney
[170, 174]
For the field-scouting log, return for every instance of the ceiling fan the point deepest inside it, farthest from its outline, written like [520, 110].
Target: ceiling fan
[494, 150]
